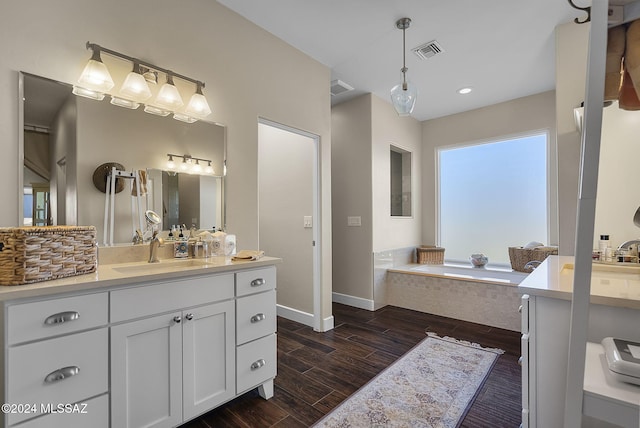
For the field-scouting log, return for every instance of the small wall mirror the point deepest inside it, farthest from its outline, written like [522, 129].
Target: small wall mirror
[400, 161]
[67, 137]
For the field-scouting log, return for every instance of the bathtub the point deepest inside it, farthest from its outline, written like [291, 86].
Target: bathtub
[467, 273]
[486, 296]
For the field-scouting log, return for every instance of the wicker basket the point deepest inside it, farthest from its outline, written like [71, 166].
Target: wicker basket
[519, 256]
[430, 255]
[33, 254]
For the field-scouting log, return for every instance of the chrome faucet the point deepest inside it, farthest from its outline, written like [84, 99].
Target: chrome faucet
[627, 244]
[532, 265]
[156, 242]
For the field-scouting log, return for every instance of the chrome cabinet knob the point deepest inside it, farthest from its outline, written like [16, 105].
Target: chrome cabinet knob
[257, 364]
[177, 319]
[189, 317]
[258, 317]
[520, 360]
[520, 309]
[258, 282]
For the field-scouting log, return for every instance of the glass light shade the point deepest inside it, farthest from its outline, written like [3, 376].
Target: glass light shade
[121, 102]
[184, 165]
[135, 87]
[208, 169]
[155, 110]
[197, 167]
[170, 163]
[404, 98]
[184, 118]
[198, 106]
[87, 93]
[169, 96]
[95, 76]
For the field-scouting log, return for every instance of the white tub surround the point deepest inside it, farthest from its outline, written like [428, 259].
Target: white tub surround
[471, 294]
[546, 309]
[204, 330]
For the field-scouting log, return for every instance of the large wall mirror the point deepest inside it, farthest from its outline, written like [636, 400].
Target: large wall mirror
[66, 138]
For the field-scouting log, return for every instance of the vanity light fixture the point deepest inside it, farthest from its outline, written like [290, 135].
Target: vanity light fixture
[189, 164]
[404, 95]
[95, 81]
[95, 78]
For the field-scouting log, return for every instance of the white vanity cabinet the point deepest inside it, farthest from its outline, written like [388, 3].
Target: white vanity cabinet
[172, 366]
[545, 344]
[56, 353]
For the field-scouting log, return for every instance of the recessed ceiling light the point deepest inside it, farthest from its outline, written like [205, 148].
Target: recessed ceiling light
[464, 91]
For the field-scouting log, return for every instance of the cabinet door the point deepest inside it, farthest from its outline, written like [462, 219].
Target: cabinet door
[146, 372]
[208, 357]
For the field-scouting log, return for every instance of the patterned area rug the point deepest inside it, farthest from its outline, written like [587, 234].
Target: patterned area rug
[430, 386]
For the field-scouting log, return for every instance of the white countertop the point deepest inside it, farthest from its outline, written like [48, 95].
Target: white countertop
[113, 275]
[613, 285]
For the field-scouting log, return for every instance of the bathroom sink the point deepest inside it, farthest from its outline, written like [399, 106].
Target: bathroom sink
[162, 266]
[621, 274]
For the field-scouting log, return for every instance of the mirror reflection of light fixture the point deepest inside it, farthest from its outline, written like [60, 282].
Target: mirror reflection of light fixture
[189, 164]
[95, 81]
[403, 95]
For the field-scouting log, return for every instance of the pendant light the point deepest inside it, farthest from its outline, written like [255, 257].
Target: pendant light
[169, 96]
[404, 95]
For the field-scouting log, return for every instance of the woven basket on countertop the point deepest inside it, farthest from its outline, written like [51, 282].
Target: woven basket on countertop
[430, 255]
[33, 254]
[520, 256]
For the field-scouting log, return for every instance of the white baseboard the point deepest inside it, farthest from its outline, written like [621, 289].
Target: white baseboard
[304, 318]
[357, 302]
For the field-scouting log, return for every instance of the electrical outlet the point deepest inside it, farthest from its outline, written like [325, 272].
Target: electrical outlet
[308, 221]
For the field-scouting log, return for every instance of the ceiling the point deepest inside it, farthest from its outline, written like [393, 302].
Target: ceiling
[503, 49]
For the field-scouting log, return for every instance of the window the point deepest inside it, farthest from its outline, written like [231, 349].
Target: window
[492, 196]
[400, 161]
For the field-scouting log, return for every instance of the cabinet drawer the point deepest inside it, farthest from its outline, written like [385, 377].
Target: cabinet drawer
[157, 298]
[255, 316]
[46, 318]
[256, 363]
[92, 413]
[32, 370]
[255, 280]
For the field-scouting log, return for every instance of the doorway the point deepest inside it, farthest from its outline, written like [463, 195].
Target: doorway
[288, 216]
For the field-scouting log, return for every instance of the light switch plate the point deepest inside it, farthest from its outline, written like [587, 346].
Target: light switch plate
[354, 221]
[308, 221]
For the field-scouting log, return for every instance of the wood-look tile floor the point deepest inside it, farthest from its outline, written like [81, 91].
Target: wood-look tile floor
[316, 371]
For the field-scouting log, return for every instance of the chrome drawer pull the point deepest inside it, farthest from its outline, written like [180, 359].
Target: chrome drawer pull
[258, 318]
[61, 374]
[258, 282]
[258, 364]
[177, 319]
[189, 317]
[61, 317]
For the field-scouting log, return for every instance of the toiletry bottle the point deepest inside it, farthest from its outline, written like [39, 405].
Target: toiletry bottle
[602, 247]
[170, 236]
[181, 235]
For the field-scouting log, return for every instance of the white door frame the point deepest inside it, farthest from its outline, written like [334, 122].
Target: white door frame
[317, 220]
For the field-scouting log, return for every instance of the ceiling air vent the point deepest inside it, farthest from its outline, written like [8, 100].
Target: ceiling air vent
[339, 87]
[428, 50]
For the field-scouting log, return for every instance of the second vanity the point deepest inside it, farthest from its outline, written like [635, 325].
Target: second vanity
[546, 311]
[138, 344]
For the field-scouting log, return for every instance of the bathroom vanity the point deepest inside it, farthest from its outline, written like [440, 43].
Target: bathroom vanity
[138, 344]
[546, 308]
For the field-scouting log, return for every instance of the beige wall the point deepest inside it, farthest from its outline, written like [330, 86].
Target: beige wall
[362, 131]
[533, 113]
[248, 73]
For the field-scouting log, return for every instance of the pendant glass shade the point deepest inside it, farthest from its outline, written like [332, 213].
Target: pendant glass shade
[198, 105]
[87, 93]
[184, 118]
[169, 96]
[95, 75]
[403, 98]
[156, 110]
[135, 86]
[121, 102]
